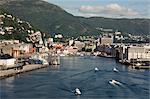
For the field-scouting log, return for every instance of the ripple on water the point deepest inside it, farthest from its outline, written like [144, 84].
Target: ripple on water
[59, 83]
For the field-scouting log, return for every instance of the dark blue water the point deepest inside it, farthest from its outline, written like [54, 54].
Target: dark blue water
[59, 82]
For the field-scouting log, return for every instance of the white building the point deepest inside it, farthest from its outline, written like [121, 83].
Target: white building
[7, 63]
[138, 52]
[71, 42]
[58, 36]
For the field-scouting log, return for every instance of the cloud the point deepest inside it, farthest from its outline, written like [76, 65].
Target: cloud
[87, 14]
[91, 9]
[113, 9]
[45, 0]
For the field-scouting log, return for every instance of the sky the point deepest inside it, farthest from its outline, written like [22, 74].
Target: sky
[106, 8]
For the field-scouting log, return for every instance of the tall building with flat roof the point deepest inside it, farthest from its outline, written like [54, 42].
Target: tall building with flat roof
[138, 52]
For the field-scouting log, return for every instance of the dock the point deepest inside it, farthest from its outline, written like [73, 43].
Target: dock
[141, 67]
[26, 68]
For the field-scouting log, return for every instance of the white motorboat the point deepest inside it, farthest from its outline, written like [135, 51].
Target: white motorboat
[115, 70]
[114, 82]
[77, 91]
[96, 69]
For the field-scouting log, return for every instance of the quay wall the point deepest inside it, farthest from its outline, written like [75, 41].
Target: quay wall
[26, 68]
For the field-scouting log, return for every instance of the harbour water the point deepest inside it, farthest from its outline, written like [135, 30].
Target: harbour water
[59, 82]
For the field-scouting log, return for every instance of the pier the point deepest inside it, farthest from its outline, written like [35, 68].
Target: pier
[26, 68]
[141, 67]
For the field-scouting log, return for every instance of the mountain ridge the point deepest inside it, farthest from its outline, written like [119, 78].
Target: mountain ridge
[53, 19]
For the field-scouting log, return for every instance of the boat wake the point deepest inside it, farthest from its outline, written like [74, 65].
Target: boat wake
[115, 69]
[115, 82]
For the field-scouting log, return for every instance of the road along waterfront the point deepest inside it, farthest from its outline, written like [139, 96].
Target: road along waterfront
[59, 81]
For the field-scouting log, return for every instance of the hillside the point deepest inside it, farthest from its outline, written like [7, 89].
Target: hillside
[12, 27]
[53, 19]
[133, 26]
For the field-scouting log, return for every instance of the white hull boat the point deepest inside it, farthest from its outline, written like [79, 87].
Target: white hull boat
[96, 69]
[114, 82]
[115, 70]
[77, 91]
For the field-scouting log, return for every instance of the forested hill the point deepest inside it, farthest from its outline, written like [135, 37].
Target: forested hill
[53, 19]
[14, 28]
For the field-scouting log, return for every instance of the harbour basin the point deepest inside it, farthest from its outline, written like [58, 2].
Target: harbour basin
[60, 81]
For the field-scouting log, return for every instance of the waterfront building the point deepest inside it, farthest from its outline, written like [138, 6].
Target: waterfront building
[138, 52]
[7, 62]
[129, 52]
[70, 50]
[121, 51]
[104, 44]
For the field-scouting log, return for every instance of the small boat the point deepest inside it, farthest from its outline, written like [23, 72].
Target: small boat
[114, 82]
[115, 70]
[96, 69]
[77, 91]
